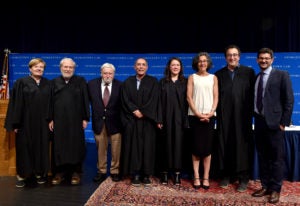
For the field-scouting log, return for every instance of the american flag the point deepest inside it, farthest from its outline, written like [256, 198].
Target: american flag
[4, 87]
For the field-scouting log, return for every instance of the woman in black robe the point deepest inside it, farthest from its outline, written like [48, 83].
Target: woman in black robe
[172, 119]
[27, 117]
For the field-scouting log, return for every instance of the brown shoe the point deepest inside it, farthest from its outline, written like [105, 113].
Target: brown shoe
[260, 193]
[75, 180]
[57, 179]
[274, 198]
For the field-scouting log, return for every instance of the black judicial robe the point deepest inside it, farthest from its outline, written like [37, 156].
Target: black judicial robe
[69, 107]
[173, 113]
[138, 148]
[27, 112]
[234, 119]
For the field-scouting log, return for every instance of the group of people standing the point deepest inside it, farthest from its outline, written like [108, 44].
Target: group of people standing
[147, 121]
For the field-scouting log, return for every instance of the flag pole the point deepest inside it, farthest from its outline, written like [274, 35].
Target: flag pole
[4, 78]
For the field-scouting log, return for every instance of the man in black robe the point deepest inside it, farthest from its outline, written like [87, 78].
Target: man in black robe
[69, 116]
[234, 120]
[27, 117]
[139, 98]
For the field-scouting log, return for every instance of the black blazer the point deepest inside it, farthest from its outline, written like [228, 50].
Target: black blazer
[278, 99]
[110, 115]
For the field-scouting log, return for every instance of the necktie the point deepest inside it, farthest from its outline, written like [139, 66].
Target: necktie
[106, 95]
[259, 97]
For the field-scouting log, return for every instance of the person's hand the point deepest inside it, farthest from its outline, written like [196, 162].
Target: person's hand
[51, 126]
[160, 126]
[205, 117]
[84, 124]
[138, 114]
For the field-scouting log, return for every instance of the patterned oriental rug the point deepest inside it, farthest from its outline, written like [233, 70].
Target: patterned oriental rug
[124, 194]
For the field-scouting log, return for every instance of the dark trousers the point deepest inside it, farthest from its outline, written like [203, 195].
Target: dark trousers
[270, 149]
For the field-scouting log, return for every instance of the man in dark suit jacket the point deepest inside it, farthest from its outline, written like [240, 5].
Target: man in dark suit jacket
[270, 122]
[106, 123]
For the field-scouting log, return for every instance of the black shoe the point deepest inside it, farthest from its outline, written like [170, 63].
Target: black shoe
[224, 183]
[206, 187]
[177, 180]
[196, 186]
[20, 183]
[146, 181]
[136, 180]
[115, 177]
[242, 187]
[41, 180]
[100, 177]
[164, 178]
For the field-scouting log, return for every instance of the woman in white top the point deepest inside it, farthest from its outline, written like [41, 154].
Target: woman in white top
[202, 97]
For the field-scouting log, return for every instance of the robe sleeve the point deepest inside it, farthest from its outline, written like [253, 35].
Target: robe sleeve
[15, 107]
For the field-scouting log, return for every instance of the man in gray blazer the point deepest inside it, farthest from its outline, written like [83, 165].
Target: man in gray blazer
[272, 113]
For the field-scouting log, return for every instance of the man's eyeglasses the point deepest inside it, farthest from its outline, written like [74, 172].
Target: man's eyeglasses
[265, 58]
[232, 55]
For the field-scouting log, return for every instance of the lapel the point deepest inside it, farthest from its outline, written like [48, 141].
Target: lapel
[99, 85]
[270, 79]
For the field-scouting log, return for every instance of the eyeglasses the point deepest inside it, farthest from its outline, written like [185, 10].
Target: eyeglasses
[202, 61]
[232, 55]
[265, 58]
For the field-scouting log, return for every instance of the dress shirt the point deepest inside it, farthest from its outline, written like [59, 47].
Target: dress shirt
[266, 77]
[138, 82]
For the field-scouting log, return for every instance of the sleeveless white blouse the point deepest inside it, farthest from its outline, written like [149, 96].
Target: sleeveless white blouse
[203, 93]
